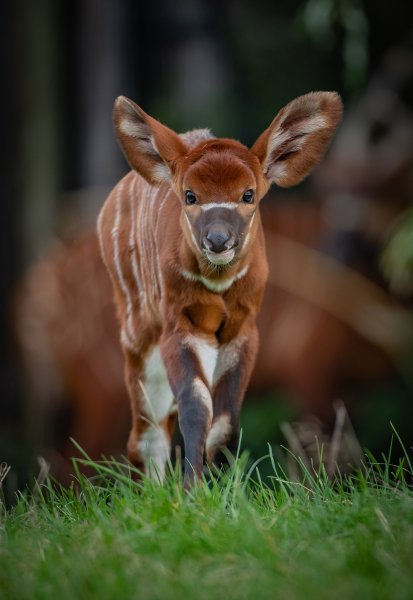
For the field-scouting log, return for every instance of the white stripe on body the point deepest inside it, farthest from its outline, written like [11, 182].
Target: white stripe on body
[142, 246]
[156, 288]
[100, 234]
[137, 271]
[132, 238]
[128, 333]
[147, 243]
[158, 216]
[148, 259]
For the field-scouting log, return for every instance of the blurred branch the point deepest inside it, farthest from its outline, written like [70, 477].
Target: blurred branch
[318, 19]
[345, 294]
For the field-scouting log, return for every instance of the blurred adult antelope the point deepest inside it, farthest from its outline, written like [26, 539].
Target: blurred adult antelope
[182, 239]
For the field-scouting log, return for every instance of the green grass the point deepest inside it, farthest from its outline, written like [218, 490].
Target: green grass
[233, 536]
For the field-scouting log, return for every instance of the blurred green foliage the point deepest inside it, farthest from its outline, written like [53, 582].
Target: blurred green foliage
[397, 258]
[319, 21]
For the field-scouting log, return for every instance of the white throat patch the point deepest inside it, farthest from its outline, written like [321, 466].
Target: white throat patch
[210, 284]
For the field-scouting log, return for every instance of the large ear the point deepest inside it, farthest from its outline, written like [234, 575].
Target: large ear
[149, 147]
[298, 137]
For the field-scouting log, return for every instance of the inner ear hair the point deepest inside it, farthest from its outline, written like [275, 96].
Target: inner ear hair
[149, 147]
[298, 137]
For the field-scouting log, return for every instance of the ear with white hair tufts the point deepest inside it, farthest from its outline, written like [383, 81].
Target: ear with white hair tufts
[150, 147]
[298, 137]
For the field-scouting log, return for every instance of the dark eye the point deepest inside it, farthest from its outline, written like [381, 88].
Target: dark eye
[190, 197]
[248, 196]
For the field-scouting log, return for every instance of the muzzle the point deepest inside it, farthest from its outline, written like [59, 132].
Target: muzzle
[219, 243]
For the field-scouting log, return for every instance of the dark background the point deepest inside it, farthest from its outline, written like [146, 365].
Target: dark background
[228, 65]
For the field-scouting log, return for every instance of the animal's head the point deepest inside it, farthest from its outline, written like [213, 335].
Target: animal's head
[220, 182]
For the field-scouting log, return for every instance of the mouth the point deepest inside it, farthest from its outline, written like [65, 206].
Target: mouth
[220, 258]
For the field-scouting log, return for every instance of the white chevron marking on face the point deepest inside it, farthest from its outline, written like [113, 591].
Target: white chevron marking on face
[209, 205]
[195, 243]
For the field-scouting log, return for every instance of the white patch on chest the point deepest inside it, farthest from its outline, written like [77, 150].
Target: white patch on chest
[158, 394]
[218, 435]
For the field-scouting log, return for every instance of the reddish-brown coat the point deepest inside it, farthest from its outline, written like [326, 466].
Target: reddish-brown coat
[173, 283]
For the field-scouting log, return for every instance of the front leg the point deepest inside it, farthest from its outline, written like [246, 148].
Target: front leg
[232, 374]
[192, 391]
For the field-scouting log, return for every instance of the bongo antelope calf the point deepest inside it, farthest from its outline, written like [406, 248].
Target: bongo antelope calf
[182, 239]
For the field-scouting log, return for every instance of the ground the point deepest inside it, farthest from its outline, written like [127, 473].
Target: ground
[234, 536]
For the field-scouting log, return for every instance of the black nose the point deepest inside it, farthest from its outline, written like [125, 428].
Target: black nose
[219, 238]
